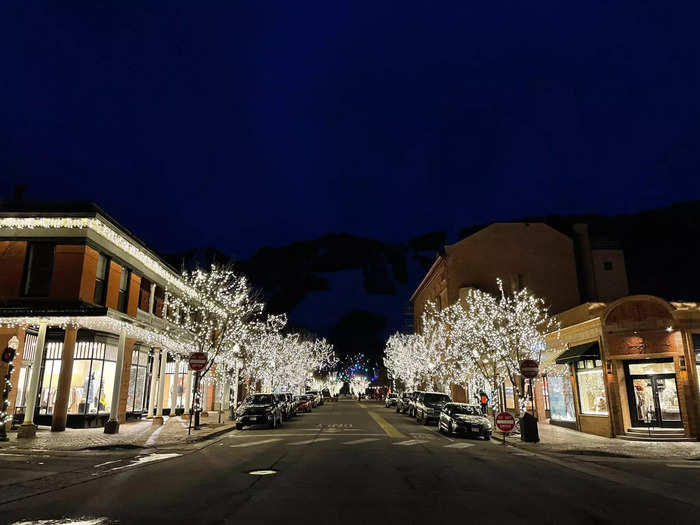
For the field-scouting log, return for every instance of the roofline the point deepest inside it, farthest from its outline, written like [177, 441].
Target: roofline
[427, 275]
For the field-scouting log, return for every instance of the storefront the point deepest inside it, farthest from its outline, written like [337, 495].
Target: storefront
[139, 382]
[628, 368]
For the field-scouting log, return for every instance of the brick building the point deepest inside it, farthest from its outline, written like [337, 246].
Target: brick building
[84, 299]
[628, 368]
[564, 270]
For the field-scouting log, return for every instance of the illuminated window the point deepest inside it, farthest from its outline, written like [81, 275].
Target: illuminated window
[591, 387]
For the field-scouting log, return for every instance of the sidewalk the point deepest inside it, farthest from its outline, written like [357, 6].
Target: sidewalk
[138, 434]
[566, 441]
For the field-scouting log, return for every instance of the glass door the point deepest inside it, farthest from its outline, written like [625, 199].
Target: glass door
[654, 401]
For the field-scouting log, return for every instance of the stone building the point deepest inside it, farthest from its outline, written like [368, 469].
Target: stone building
[85, 299]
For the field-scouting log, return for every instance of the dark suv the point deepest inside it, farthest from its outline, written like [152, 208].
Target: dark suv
[428, 406]
[259, 409]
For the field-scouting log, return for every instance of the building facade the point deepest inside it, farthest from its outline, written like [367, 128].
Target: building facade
[629, 368]
[85, 299]
[564, 270]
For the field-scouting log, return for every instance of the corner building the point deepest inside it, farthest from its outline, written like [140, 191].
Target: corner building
[83, 299]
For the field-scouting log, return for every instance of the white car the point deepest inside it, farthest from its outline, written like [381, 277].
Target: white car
[391, 400]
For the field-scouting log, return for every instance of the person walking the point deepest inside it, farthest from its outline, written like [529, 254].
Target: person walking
[484, 400]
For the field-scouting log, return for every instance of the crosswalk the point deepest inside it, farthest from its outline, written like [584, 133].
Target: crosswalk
[315, 439]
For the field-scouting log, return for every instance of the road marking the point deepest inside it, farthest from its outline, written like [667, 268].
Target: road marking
[410, 442]
[387, 427]
[359, 441]
[459, 445]
[682, 465]
[310, 441]
[108, 463]
[253, 443]
[147, 459]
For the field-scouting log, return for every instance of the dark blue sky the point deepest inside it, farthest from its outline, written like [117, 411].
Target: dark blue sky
[246, 125]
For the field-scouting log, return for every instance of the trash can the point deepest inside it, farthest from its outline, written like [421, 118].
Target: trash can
[528, 429]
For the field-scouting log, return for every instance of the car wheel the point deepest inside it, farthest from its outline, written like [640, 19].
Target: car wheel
[487, 437]
[239, 426]
[418, 420]
[451, 429]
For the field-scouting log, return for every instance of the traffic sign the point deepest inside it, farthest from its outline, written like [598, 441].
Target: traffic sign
[198, 361]
[529, 368]
[505, 422]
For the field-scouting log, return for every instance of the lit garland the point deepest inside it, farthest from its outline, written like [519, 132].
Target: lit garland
[102, 324]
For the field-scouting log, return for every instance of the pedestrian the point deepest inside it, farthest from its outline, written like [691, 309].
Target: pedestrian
[484, 400]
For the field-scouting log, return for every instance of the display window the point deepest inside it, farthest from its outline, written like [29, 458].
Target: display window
[52, 369]
[591, 387]
[139, 379]
[25, 372]
[94, 372]
[179, 377]
[561, 396]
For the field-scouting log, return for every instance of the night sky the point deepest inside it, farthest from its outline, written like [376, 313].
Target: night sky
[247, 125]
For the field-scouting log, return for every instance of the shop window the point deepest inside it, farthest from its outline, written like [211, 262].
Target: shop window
[561, 396]
[136, 397]
[123, 302]
[49, 382]
[101, 280]
[608, 266]
[94, 372]
[697, 366]
[591, 387]
[38, 268]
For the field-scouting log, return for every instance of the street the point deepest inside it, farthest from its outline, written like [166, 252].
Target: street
[346, 462]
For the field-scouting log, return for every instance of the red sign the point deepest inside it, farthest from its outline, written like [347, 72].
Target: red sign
[198, 361]
[529, 368]
[505, 422]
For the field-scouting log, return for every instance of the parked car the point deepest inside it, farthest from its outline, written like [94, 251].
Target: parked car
[259, 409]
[317, 397]
[428, 406]
[303, 403]
[286, 408]
[402, 403]
[292, 402]
[391, 400]
[411, 411]
[461, 418]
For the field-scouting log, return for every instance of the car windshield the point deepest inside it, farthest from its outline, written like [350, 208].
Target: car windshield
[466, 410]
[262, 399]
[437, 398]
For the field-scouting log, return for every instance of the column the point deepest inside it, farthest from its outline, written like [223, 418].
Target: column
[154, 383]
[187, 388]
[158, 419]
[173, 387]
[152, 298]
[28, 428]
[60, 410]
[112, 425]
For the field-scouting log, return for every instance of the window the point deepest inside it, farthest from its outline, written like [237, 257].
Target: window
[101, 280]
[696, 347]
[561, 396]
[591, 387]
[39, 265]
[136, 400]
[145, 295]
[123, 301]
[49, 383]
[607, 266]
[94, 370]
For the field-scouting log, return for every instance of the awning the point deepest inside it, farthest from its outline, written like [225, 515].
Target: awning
[577, 353]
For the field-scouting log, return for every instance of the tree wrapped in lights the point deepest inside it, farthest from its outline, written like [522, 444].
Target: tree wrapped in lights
[358, 384]
[403, 358]
[214, 309]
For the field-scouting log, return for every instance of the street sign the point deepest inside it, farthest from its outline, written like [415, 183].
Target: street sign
[198, 361]
[529, 368]
[505, 422]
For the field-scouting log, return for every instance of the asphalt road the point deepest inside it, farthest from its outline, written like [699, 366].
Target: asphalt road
[347, 463]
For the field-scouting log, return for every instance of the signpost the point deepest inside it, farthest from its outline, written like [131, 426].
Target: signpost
[530, 368]
[505, 423]
[197, 362]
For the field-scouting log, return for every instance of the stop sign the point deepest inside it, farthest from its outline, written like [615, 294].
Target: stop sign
[529, 368]
[505, 422]
[198, 361]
